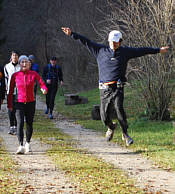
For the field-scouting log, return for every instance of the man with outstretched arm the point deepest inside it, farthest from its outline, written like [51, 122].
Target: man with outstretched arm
[112, 64]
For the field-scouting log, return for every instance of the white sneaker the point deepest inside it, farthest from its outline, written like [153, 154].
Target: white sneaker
[27, 147]
[14, 130]
[11, 131]
[20, 150]
[109, 134]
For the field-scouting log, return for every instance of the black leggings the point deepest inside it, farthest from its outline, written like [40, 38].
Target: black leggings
[50, 96]
[27, 111]
[12, 114]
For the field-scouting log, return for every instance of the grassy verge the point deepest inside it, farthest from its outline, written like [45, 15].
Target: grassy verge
[8, 182]
[92, 175]
[152, 139]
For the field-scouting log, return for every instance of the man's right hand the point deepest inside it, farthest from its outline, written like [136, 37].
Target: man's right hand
[66, 30]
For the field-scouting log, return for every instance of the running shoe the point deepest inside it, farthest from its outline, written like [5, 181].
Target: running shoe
[109, 134]
[14, 130]
[46, 111]
[27, 147]
[128, 140]
[11, 131]
[20, 150]
[50, 116]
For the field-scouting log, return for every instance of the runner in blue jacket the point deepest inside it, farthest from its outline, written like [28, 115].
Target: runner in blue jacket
[52, 75]
[112, 64]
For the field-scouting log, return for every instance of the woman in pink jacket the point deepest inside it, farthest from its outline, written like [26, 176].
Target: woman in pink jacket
[24, 81]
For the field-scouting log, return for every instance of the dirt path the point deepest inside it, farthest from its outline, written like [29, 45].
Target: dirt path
[37, 172]
[142, 170]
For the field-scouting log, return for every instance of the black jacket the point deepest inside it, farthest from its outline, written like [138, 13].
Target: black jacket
[112, 65]
[53, 73]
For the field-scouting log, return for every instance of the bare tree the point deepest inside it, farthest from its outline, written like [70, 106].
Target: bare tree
[147, 23]
[76, 62]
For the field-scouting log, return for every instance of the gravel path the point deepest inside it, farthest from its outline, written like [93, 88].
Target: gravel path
[37, 172]
[142, 170]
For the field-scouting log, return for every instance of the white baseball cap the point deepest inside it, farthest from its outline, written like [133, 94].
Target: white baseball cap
[114, 36]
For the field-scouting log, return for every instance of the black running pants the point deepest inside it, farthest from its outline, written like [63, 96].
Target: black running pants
[25, 111]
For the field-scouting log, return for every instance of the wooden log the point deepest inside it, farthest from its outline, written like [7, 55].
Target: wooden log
[73, 99]
[83, 100]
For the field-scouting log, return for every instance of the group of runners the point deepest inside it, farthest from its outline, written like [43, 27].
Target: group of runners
[19, 80]
[22, 73]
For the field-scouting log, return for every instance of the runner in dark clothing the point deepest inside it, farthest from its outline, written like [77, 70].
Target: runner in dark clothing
[112, 64]
[52, 74]
[34, 67]
[2, 86]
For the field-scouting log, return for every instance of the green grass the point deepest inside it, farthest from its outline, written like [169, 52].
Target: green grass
[90, 174]
[153, 139]
[79, 111]
[9, 182]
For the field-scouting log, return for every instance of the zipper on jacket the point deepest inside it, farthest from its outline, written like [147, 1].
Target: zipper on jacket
[25, 88]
